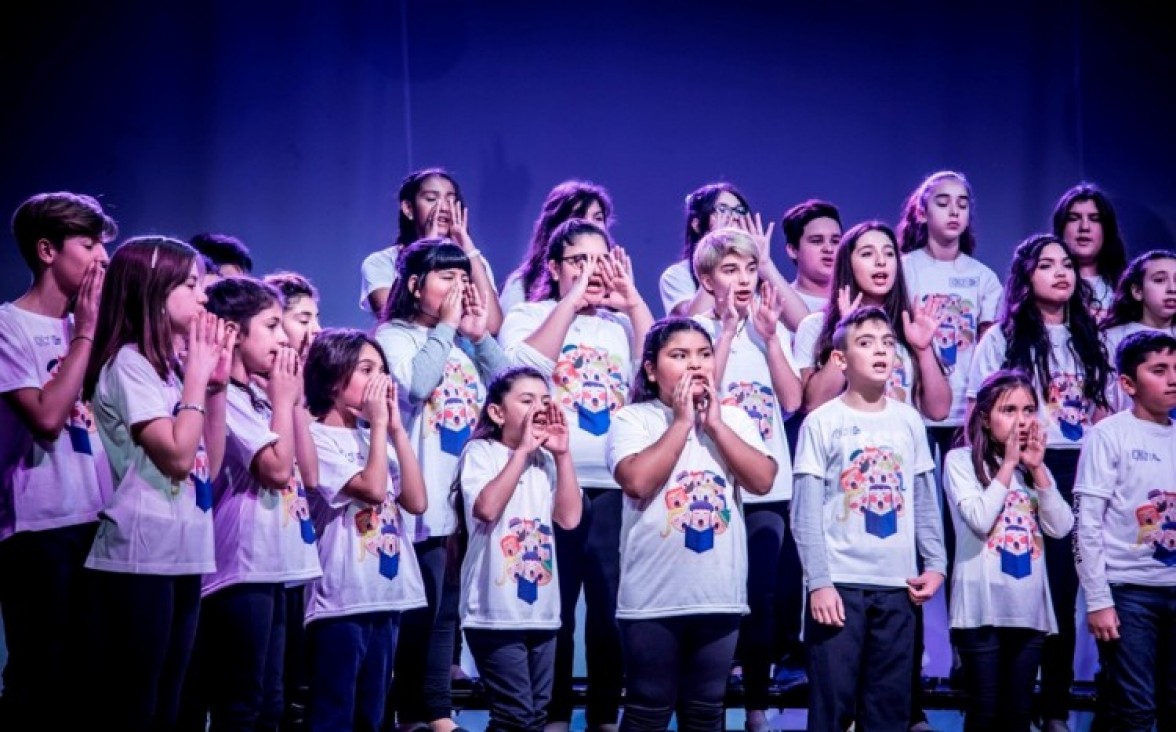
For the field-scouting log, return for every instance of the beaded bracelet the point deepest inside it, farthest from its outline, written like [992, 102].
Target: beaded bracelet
[194, 407]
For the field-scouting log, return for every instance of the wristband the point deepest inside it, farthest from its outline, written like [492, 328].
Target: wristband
[474, 254]
[81, 337]
[185, 405]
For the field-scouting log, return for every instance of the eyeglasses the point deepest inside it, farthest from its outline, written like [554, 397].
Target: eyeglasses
[724, 209]
[576, 259]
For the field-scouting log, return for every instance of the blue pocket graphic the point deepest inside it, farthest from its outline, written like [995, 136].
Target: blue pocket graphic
[203, 493]
[1165, 552]
[1071, 430]
[79, 439]
[306, 526]
[881, 518]
[594, 422]
[452, 441]
[947, 354]
[528, 590]
[389, 565]
[1015, 558]
[700, 540]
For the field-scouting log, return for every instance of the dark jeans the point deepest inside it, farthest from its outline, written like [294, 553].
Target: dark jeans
[1000, 670]
[677, 664]
[1140, 668]
[150, 624]
[589, 556]
[422, 691]
[790, 604]
[350, 670]
[767, 542]
[236, 671]
[50, 623]
[1057, 658]
[517, 667]
[296, 671]
[861, 672]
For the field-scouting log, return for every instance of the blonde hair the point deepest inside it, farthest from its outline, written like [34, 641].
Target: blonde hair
[719, 243]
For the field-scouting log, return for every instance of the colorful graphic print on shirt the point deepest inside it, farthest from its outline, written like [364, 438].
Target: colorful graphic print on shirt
[1016, 537]
[873, 487]
[379, 532]
[296, 506]
[81, 427]
[591, 383]
[757, 400]
[1157, 525]
[529, 550]
[1067, 407]
[453, 406]
[957, 327]
[697, 506]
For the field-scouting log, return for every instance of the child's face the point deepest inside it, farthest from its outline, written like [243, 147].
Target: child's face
[432, 290]
[77, 253]
[1154, 385]
[868, 358]
[574, 260]
[1158, 293]
[301, 322]
[948, 210]
[260, 347]
[185, 302]
[735, 274]
[1012, 413]
[1054, 278]
[350, 398]
[686, 352]
[1083, 231]
[727, 204]
[436, 192]
[875, 264]
[512, 415]
[595, 214]
[817, 250]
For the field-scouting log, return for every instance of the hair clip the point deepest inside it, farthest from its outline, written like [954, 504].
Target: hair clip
[154, 257]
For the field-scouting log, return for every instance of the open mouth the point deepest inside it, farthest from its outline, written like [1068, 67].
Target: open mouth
[880, 279]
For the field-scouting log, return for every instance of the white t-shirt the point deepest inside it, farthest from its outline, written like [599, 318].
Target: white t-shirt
[509, 578]
[367, 564]
[867, 462]
[968, 294]
[511, 293]
[1104, 294]
[814, 303]
[262, 535]
[804, 356]
[1000, 573]
[591, 377]
[152, 524]
[684, 550]
[1062, 408]
[379, 271]
[1112, 337]
[44, 485]
[676, 285]
[747, 384]
[1132, 465]
[439, 426]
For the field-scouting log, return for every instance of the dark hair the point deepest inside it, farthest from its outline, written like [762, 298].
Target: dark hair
[644, 389]
[700, 204]
[798, 217]
[912, 233]
[1125, 307]
[55, 217]
[1112, 258]
[1027, 340]
[417, 261]
[1135, 348]
[896, 302]
[239, 299]
[568, 200]
[141, 274]
[853, 319]
[222, 249]
[987, 453]
[292, 286]
[545, 288]
[407, 231]
[332, 359]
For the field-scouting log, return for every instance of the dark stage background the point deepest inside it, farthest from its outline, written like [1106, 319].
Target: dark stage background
[291, 124]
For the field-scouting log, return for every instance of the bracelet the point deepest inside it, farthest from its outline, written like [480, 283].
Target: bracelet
[185, 405]
[81, 337]
[473, 254]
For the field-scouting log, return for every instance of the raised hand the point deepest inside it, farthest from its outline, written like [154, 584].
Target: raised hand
[844, 304]
[1033, 456]
[920, 324]
[374, 407]
[450, 310]
[534, 433]
[616, 269]
[473, 314]
[433, 222]
[459, 224]
[682, 400]
[557, 430]
[765, 313]
[1012, 449]
[284, 384]
[392, 399]
[754, 225]
[725, 309]
[708, 407]
[578, 287]
[85, 309]
[205, 339]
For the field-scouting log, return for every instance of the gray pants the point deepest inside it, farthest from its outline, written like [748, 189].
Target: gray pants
[518, 669]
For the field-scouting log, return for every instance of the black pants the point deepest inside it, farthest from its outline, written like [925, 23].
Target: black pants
[1000, 670]
[861, 672]
[150, 623]
[50, 622]
[296, 674]
[517, 667]
[424, 653]
[589, 557]
[678, 665]
[1057, 659]
[768, 541]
